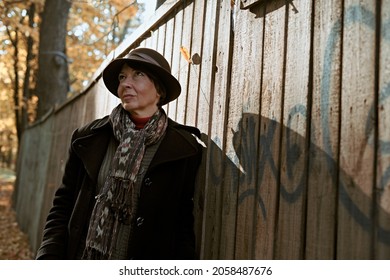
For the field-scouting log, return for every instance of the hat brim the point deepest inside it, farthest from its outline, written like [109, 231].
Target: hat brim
[111, 72]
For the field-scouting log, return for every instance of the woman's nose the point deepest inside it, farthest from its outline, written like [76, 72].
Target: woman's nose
[127, 81]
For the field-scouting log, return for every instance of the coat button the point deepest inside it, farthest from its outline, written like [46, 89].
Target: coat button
[140, 221]
[148, 182]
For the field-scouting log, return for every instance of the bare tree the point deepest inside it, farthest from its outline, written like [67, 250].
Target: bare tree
[17, 38]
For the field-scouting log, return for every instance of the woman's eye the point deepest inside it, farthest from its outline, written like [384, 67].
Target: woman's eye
[121, 77]
[139, 73]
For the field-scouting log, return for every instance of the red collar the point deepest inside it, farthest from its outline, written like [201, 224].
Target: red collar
[139, 122]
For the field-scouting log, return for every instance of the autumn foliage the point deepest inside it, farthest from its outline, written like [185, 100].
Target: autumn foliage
[95, 28]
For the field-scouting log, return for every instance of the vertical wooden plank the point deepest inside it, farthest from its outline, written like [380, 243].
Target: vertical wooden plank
[146, 41]
[36, 142]
[382, 241]
[291, 218]
[152, 41]
[231, 167]
[216, 158]
[143, 43]
[355, 220]
[324, 153]
[250, 43]
[207, 64]
[195, 70]
[101, 102]
[184, 65]
[160, 47]
[175, 67]
[167, 47]
[270, 129]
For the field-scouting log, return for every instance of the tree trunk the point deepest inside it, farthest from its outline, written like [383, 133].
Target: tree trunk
[27, 75]
[53, 76]
[17, 100]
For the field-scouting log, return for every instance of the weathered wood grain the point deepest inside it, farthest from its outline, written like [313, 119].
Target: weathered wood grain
[355, 219]
[230, 174]
[193, 92]
[249, 44]
[184, 65]
[216, 160]
[206, 86]
[292, 101]
[176, 24]
[324, 132]
[293, 179]
[382, 234]
[167, 48]
[267, 188]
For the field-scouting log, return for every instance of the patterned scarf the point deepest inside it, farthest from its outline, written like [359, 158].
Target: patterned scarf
[117, 200]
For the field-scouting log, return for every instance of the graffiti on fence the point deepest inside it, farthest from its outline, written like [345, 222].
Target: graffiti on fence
[254, 152]
[354, 15]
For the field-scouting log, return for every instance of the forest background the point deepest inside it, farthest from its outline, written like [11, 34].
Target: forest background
[48, 52]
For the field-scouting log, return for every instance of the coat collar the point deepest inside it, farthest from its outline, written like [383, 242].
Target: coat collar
[90, 144]
[175, 145]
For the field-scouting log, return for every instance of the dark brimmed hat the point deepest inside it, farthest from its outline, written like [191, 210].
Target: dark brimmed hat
[148, 60]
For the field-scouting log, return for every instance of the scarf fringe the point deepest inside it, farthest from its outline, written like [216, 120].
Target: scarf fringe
[93, 254]
[114, 207]
[116, 203]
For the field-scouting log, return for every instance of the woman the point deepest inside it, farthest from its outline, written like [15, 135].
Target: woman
[127, 190]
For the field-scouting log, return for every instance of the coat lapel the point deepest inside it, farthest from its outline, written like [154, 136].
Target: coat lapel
[91, 146]
[175, 145]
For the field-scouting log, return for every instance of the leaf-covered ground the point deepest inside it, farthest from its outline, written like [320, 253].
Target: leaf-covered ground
[14, 243]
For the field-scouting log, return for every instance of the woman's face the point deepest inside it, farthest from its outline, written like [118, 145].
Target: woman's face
[137, 92]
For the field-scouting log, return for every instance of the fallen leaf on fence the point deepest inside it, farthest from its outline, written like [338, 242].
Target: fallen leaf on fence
[186, 54]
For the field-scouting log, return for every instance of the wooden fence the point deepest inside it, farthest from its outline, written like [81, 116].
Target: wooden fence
[292, 100]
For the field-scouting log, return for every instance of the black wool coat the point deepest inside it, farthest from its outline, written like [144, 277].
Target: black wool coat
[164, 228]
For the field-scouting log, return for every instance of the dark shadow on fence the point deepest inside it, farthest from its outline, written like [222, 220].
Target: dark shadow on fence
[350, 216]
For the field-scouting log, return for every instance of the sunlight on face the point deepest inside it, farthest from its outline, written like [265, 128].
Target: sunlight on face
[137, 92]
